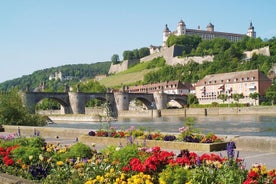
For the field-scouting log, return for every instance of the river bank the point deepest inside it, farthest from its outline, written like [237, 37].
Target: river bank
[254, 110]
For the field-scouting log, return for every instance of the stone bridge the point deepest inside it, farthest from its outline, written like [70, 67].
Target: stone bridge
[75, 102]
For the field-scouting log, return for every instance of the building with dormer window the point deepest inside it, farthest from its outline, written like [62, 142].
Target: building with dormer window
[210, 87]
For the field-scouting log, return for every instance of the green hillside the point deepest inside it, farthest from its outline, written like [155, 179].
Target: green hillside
[124, 78]
[228, 57]
[72, 75]
[134, 74]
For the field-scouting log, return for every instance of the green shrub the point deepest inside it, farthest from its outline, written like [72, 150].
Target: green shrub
[122, 155]
[77, 150]
[174, 174]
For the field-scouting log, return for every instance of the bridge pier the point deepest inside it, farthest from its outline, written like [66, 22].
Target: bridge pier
[161, 100]
[122, 100]
[29, 101]
[77, 102]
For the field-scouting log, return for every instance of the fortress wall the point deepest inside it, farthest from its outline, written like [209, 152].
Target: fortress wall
[116, 68]
[185, 60]
[151, 57]
[261, 51]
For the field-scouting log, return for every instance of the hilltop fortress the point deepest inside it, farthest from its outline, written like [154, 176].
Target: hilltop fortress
[207, 34]
[171, 54]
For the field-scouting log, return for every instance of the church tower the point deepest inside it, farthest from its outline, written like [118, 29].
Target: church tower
[210, 27]
[166, 33]
[181, 28]
[251, 33]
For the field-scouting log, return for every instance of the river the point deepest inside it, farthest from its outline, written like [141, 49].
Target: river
[242, 125]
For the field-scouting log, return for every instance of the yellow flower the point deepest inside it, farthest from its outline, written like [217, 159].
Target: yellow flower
[31, 157]
[107, 175]
[48, 149]
[263, 170]
[41, 157]
[89, 182]
[98, 177]
[60, 163]
[49, 160]
[255, 169]
[123, 176]
[189, 182]
[112, 170]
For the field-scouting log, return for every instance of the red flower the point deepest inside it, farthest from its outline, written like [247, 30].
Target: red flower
[253, 174]
[9, 162]
[183, 161]
[250, 181]
[126, 168]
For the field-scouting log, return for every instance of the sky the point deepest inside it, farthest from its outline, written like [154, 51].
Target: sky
[40, 34]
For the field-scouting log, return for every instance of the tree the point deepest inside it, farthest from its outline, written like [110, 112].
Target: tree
[271, 95]
[254, 96]
[128, 55]
[223, 97]
[144, 51]
[12, 111]
[237, 97]
[192, 99]
[115, 59]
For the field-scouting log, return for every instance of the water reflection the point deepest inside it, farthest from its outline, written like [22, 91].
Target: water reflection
[254, 125]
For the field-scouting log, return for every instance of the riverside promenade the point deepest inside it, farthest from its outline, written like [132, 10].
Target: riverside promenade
[251, 148]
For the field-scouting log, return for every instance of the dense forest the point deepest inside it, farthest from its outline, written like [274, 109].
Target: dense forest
[73, 74]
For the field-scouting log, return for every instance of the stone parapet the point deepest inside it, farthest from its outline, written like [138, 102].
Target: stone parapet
[254, 143]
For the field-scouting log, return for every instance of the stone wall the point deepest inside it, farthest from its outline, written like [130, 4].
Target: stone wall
[170, 54]
[116, 68]
[261, 51]
[186, 60]
[220, 111]
[151, 57]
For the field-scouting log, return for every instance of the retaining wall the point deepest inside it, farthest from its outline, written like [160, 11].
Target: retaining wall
[251, 143]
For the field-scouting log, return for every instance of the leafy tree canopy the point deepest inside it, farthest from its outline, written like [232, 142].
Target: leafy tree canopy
[12, 111]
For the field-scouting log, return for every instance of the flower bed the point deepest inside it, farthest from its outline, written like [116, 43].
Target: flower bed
[188, 138]
[173, 145]
[33, 159]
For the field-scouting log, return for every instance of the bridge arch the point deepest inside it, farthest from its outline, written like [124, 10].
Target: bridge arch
[180, 99]
[108, 98]
[30, 99]
[146, 99]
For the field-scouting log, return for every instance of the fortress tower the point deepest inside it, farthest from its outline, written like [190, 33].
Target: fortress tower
[251, 32]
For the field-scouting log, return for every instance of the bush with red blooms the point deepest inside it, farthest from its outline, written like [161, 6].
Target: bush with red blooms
[258, 174]
[155, 162]
[5, 155]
